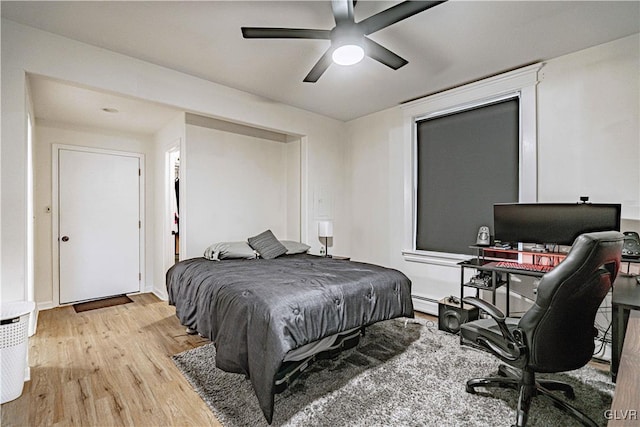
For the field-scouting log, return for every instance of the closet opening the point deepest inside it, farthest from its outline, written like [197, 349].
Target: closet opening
[175, 203]
[172, 207]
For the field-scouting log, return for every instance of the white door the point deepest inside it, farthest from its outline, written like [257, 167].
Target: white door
[99, 228]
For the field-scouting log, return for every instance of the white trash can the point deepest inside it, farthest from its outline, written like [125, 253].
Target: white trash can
[14, 325]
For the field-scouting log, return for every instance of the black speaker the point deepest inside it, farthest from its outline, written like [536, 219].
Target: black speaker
[631, 248]
[451, 316]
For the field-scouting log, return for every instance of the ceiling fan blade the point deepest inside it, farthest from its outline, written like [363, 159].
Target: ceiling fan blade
[395, 14]
[284, 33]
[383, 55]
[320, 67]
[342, 10]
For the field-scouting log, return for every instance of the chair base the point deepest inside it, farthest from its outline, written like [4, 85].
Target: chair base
[529, 388]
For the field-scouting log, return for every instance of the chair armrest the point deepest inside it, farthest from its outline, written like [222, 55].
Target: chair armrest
[499, 317]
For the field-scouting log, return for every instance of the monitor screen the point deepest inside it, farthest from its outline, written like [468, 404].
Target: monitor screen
[552, 223]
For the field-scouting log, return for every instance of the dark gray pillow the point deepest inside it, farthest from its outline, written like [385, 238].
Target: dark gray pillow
[267, 245]
[295, 247]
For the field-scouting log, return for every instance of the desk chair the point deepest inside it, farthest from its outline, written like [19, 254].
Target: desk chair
[557, 333]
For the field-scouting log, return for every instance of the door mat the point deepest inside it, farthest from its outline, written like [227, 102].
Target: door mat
[101, 303]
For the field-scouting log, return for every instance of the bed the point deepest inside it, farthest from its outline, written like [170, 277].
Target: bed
[259, 311]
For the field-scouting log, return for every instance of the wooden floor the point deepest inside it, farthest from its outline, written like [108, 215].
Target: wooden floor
[109, 367]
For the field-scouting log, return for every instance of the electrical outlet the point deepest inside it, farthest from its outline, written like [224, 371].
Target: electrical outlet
[322, 250]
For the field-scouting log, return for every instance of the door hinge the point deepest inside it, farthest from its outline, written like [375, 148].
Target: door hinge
[139, 172]
[139, 224]
[139, 276]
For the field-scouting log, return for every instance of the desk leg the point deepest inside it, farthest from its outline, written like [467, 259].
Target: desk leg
[508, 293]
[461, 285]
[617, 334]
[494, 285]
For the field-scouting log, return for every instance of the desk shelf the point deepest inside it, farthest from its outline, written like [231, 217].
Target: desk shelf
[531, 257]
[484, 266]
[485, 263]
[483, 287]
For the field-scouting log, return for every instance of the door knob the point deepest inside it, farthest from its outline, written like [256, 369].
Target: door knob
[65, 238]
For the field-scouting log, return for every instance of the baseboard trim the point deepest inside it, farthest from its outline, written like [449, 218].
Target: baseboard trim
[45, 305]
[160, 294]
[425, 305]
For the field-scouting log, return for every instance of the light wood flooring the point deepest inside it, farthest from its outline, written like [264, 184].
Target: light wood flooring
[109, 367]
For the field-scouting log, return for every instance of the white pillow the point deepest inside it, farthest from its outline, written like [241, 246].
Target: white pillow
[295, 247]
[230, 250]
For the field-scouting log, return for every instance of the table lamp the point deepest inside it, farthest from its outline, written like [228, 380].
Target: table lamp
[325, 229]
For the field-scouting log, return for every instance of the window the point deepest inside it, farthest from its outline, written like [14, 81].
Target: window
[451, 182]
[465, 162]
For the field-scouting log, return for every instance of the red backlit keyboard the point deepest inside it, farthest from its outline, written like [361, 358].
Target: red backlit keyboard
[525, 267]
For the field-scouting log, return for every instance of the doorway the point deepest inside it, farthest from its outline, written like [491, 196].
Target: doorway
[171, 228]
[174, 200]
[99, 223]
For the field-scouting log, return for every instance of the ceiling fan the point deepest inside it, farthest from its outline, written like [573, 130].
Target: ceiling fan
[349, 41]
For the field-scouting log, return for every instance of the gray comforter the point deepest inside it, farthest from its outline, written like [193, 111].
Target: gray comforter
[255, 311]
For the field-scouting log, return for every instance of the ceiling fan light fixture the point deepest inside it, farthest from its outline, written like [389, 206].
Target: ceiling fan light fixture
[348, 54]
[348, 38]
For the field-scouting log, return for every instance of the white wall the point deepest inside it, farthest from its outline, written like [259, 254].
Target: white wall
[588, 144]
[293, 166]
[52, 133]
[236, 187]
[27, 50]
[374, 179]
[362, 179]
[589, 126]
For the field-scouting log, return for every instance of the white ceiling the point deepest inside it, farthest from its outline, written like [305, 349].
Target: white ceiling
[58, 102]
[450, 44]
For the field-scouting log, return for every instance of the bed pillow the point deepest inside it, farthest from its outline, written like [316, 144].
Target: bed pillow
[267, 245]
[295, 247]
[229, 250]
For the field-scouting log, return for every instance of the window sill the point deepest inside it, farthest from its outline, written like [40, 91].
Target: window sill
[434, 258]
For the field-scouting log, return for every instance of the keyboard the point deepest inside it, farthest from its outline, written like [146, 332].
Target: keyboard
[525, 267]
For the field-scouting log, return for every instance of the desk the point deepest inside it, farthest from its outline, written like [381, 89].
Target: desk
[498, 276]
[626, 297]
[494, 276]
[625, 408]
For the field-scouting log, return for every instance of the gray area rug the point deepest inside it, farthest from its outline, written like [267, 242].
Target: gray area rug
[399, 375]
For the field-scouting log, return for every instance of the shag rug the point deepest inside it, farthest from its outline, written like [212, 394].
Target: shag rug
[399, 375]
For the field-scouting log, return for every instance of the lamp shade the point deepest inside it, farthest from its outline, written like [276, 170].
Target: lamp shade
[325, 229]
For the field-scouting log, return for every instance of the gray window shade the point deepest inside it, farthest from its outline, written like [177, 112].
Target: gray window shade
[466, 161]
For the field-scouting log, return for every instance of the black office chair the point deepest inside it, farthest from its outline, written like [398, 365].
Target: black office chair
[557, 333]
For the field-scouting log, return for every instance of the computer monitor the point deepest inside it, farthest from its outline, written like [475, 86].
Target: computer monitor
[552, 223]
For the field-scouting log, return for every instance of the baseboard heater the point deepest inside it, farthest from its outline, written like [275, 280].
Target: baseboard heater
[435, 301]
